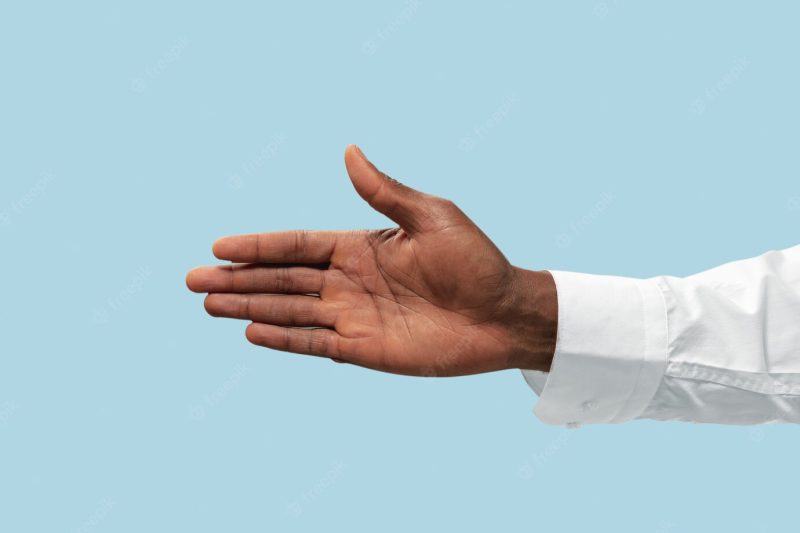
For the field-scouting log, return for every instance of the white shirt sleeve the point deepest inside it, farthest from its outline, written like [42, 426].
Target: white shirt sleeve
[721, 346]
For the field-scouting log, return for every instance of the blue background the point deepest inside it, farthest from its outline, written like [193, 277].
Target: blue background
[605, 137]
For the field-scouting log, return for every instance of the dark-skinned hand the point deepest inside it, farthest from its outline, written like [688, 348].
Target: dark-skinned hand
[433, 296]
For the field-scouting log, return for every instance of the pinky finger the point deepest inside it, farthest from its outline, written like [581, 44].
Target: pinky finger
[310, 341]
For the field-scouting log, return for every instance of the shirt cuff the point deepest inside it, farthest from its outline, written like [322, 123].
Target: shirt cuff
[610, 353]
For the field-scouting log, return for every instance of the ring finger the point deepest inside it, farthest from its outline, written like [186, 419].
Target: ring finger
[278, 309]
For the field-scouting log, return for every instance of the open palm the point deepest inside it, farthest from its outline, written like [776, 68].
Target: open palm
[433, 296]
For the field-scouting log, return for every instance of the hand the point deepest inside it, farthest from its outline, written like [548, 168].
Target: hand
[433, 296]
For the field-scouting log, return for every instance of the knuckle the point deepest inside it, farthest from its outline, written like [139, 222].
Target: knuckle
[287, 339]
[283, 280]
[441, 210]
[317, 341]
[447, 205]
[235, 279]
[318, 280]
[441, 205]
[300, 243]
[249, 278]
[244, 306]
[301, 313]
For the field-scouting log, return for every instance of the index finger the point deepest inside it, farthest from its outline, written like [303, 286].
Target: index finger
[299, 246]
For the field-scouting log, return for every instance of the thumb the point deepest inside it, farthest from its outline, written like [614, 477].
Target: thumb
[402, 204]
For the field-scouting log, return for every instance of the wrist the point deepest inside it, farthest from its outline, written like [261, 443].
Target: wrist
[532, 320]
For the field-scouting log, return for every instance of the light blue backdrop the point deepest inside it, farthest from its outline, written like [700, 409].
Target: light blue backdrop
[606, 137]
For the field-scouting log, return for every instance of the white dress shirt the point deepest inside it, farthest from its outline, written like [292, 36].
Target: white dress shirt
[721, 346]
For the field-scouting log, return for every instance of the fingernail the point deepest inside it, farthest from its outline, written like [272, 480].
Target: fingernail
[359, 152]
